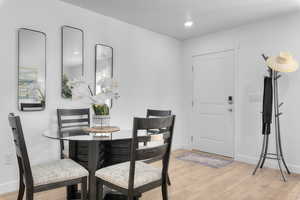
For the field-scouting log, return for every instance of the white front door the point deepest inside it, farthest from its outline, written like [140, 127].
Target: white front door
[213, 98]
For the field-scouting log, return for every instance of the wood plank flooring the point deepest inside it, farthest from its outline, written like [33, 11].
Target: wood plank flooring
[192, 181]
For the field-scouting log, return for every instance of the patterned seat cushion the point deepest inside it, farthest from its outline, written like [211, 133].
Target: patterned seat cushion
[119, 174]
[61, 170]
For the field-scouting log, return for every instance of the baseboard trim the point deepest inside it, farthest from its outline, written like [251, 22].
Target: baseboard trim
[7, 187]
[269, 163]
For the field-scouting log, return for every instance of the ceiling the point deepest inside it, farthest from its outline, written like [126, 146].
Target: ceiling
[168, 16]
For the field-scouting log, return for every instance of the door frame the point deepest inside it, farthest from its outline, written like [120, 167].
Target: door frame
[236, 105]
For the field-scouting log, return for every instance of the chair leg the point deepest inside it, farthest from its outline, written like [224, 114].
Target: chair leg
[130, 197]
[164, 190]
[69, 193]
[29, 194]
[72, 191]
[21, 189]
[168, 180]
[84, 188]
[99, 190]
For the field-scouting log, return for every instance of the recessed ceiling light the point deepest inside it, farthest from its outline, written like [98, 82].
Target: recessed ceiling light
[76, 52]
[188, 24]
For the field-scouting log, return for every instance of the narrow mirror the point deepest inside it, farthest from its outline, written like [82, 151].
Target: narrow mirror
[104, 66]
[31, 70]
[72, 58]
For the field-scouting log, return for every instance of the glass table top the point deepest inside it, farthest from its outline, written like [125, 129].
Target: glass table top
[80, 135]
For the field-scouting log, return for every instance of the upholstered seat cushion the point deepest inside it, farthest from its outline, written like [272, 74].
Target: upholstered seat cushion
[57, 171]
[119, 174]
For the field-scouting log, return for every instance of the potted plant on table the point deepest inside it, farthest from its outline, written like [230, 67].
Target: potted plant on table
[101, 115]
[108, 91]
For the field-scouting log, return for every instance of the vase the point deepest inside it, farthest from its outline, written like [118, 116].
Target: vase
[101, 120]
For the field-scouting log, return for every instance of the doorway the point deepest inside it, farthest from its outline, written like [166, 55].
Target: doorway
[213, 103]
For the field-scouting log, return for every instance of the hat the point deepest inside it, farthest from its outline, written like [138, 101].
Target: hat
[283, 63]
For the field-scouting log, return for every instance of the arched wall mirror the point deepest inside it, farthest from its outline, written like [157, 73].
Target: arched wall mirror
[31, 70]
[103, 66]
[72, 58]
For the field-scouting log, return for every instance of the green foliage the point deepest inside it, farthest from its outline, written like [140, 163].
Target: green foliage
[101, 109]
[66, 89]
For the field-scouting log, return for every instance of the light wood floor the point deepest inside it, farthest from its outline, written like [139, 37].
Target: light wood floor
[196, 182]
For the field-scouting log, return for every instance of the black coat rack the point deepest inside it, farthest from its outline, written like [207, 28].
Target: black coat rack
[264, 153]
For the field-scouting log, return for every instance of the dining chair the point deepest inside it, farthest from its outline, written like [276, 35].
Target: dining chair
[133, 178]
[72, 121]
[156, 113]
[46, 176]
[152, 114]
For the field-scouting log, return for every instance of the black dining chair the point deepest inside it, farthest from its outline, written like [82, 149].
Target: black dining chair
[133, 178]
[46, 176]
[152, 114]
[71, 122]
[156, 113]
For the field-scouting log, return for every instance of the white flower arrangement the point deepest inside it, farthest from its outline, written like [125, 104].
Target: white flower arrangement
[82, 90]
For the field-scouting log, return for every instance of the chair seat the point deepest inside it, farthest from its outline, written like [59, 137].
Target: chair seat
[57, 171]
[119, 174]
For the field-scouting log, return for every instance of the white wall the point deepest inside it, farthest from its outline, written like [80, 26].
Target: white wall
[250, 41]
[147, 66]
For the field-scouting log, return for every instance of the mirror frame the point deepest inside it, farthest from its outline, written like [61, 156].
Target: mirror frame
[45, 65]
[62, 53]
[112, 67]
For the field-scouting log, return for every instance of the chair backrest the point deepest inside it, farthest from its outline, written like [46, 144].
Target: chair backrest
[72, 119]
[158, 113]
[21, 150]
[31, 106]
[160, 151]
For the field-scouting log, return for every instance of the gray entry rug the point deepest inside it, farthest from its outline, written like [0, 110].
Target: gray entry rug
[207, 160]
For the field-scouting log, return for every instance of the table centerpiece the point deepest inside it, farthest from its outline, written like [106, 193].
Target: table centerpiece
[98, 102]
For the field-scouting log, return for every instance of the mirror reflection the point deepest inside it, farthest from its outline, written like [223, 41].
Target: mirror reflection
[31, 70]
[72, 58]
[104, 66]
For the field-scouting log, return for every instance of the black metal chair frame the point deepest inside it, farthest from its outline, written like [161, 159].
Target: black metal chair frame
[162, 151]
[25, 173]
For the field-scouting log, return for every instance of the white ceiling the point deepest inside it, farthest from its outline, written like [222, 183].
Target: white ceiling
[168, 16]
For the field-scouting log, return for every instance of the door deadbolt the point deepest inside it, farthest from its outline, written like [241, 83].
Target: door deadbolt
[230, 100]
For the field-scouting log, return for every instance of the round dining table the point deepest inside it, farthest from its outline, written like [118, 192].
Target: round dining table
[95, 151]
